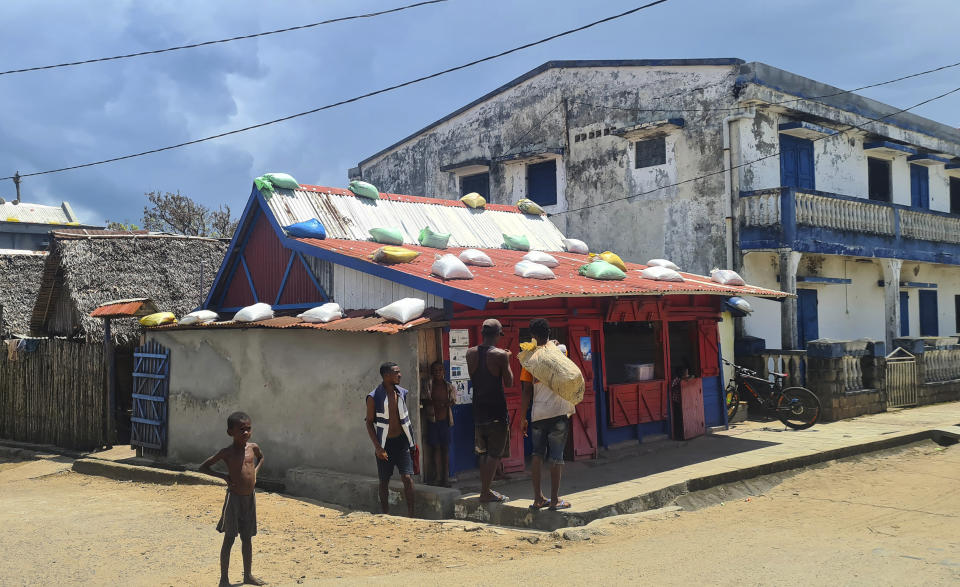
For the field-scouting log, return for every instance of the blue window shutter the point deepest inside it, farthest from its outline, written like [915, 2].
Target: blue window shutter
[919, 186]
[929, 317]
[904, 313]
[542, 182]
[796, 163]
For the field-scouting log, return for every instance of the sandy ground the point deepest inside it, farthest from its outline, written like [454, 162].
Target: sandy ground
[885, 519]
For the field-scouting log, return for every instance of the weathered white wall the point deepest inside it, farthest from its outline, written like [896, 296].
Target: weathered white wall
[532, 116]
[304, 391]
[760, 269]
[947, 279]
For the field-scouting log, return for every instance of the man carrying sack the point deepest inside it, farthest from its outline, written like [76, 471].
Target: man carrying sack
[554, 384]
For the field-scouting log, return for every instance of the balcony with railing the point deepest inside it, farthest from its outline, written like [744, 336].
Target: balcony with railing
[820, 222]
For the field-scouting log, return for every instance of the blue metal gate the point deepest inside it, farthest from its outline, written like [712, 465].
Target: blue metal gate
[151, 389]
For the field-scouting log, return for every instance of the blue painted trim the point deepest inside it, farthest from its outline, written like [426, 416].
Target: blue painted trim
[927, 157]
[918, 284]
[467, 298]
[320, 290]
[253, 289]
[244, 218]
[722, 61]
[283, 282]
[817, 279]
[889, 145]
[800, 125]
[952, 165]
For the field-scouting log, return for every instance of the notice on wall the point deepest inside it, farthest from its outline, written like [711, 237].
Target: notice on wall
[464, 391]
[458, 354]
[459, 337]
[458, 371]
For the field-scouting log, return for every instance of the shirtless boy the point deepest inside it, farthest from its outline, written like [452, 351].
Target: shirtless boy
[243, 460]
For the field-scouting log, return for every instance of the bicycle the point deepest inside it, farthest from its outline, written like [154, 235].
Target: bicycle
[796, 407]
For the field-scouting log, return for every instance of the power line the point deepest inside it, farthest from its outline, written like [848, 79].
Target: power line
[769, 104]
[775, 154]
[356, 98]
[239, 38]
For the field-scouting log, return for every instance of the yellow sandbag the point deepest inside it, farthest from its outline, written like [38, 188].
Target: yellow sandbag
[474, 200]
[528, 206]
[613, 259]
[392, 255]
[159, 319]
[548, 364]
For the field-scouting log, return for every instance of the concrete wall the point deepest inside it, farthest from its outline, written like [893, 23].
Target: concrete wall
[304, 391]
[947, 279]
[549, 111]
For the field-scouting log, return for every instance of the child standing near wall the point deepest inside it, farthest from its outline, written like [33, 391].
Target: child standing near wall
[243, 460]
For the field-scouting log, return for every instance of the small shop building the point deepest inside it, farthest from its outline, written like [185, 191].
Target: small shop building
[631, 338]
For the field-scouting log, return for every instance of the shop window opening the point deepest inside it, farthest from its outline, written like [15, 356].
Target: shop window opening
[632, 352]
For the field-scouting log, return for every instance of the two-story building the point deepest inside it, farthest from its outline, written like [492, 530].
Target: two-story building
[720, 163]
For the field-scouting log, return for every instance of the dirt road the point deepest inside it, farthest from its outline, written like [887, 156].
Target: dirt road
[884, 519]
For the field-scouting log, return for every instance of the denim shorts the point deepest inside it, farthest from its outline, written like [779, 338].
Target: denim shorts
[549, 438]
[398, 456]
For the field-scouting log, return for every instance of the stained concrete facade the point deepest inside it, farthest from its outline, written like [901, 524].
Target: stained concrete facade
[304, 390]
[725, 148]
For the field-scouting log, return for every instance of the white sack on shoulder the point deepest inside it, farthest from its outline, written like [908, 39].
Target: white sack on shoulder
[532, 270]
[450, 267]
[254, 313]
[542, 258]
[322, 314]
[726, 277]
[663, 263]
[403, 310]
[475, 257]
[573, 245]
[660, 274]
[199, 317]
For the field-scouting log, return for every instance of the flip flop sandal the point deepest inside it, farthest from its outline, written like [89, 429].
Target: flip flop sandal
[540, 506]
[564, 504]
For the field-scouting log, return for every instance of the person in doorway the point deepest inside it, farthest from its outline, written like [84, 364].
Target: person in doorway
[439, 399]
[489, 369]
[549, 428]
[239, 516]
[388, 424]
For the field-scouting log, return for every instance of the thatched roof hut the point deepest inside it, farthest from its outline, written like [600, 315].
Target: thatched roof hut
[19, 282]
[87, 268]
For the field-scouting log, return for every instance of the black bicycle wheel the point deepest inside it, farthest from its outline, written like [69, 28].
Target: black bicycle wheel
[798, 408]
[733, 401]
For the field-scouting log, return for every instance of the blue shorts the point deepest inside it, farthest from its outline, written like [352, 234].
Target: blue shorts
[398, 455]
[549, 438]
[438, 433]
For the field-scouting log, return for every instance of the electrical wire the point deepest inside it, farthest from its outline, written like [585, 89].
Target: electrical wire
[355, 98]
[239, 38]
[746, 163]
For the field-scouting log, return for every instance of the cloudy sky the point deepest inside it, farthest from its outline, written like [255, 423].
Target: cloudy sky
[68, 116]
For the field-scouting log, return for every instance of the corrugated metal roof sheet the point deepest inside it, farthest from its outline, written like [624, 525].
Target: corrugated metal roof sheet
[125, 309]
[500, 284]
[346, 216]
[34, 213]
[354, 321]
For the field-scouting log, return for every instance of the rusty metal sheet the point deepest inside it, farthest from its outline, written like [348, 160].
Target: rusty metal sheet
[125, 309]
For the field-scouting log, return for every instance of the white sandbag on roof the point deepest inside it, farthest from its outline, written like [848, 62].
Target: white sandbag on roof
[476, 257]
[254, 313]
[663, 263]
[726, 277]
[542, 258]
[450, 267]
[199, 317]
[404, 310]
[532, 270]
[658, 273]
[573, 245]
[322, 314]
[740, 304]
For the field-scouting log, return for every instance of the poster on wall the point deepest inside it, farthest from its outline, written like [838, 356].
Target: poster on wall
[464, 391]
[458, 354]
[586, 348]
[459, 337]
[458, 371]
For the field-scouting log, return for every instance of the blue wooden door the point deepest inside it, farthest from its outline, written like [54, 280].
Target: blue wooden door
[919, 186]
[904, 313]
[796, 163]
[151, 390]
[807, 320]
[928, 313]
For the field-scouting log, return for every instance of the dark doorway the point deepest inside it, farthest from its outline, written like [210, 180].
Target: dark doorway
[808, 322]
[919, 186]
[878, 179]
[479, 183]
[929, 317]
[542, 182]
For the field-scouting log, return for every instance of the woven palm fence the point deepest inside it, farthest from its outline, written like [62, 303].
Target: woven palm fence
[53, 393]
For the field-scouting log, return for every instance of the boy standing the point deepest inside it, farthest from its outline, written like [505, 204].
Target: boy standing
[243, 460]
[439, 400]
[388, 424]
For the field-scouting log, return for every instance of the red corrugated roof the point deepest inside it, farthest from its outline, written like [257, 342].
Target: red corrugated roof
[125, 309]
[405, 198]
[354, 321]
[499, 283]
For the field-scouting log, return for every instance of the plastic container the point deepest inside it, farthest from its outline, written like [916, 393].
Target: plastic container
[639, 371]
